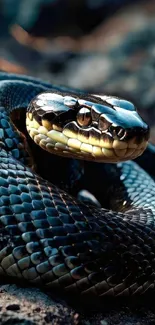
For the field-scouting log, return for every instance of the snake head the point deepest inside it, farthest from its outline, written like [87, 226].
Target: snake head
[90, 127]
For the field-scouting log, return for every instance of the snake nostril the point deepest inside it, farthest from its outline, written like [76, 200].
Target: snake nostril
[118, 133]
[121, 133]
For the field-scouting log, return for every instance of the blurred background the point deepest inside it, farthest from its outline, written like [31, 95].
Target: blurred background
[105, 46]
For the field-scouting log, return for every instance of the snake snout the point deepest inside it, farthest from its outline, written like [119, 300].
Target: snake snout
[121, 134]
[139, 133]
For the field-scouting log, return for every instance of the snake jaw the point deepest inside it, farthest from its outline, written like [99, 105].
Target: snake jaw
[84, 129]
[66, 143]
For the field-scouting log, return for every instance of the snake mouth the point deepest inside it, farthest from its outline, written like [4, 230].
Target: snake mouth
[64, 142]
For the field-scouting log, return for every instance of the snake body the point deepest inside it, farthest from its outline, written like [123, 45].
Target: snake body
[49, 238]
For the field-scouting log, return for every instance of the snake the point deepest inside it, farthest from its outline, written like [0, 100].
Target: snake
[50, 238]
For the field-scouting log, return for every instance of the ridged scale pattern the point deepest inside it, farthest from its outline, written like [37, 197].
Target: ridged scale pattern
[50, 239]
[55, 241]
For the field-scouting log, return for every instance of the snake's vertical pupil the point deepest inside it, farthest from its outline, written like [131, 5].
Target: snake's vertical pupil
[84, 117]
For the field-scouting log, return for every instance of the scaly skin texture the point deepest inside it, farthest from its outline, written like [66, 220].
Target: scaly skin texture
[52, 240]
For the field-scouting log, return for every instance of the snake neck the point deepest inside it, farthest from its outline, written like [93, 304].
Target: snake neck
[64, 172]
[16, 94]
[16, 141]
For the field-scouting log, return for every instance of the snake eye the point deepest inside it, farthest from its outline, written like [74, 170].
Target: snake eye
[84, 117]
[103, 124]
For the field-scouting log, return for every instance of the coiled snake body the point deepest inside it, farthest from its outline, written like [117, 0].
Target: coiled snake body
[47, 236]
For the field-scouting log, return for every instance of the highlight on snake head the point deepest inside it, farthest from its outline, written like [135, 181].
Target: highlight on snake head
[92, 127]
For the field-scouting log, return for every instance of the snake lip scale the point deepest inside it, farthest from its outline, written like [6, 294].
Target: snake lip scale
[47, 236]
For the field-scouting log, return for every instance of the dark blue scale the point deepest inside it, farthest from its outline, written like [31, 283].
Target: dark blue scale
[33, 187]
[77, 216]
[4, 173]
[72, 262]
[4, 123]
[51, 232]
[58, 202]
[20, 173]
[66, 218]
[12, 166]
[30, 273]
[4, 156]
[48, 202]
[8, 219]
[18, 208]
[60, 270]
[3, 190]
[4, 161]
[43, 267]
[35, 195]
[54, 221]
[25, 197]
[13, 230]
[55, 260]
[20, 180]
[81, 247]
[1, 202]
[47, 195]
[23, 188]
[37, 258]
[17, 139]
[49, 251]
[78, 273]
[46, 242]
[5, 210]
[16, 153]
[4, 182]
[19, 252]
[33, 247]
[24, 263]
[4, 166]
[28, 174]
[82, 226]
[93, 225]
[29, 236]
[14, 189]
[23, 217]
[9, 143]
[26, 226]
[48, 277]
[57, 241]
[68, 250]
[51, 212]
[61, 208]
[66, 280]
[44, 189]
[10, 133]
[5, 200]
[1, 133]
[37, 205]
[83, 284]
[15, 199]
[38, 214]
[27, 206]
[70, 228]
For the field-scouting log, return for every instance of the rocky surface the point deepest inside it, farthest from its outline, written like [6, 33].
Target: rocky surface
[30, 306]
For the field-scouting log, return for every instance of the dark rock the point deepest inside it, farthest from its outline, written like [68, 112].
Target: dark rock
[13, 307]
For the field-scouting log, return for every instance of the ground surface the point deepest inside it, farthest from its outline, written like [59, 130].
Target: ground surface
[28, 306]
